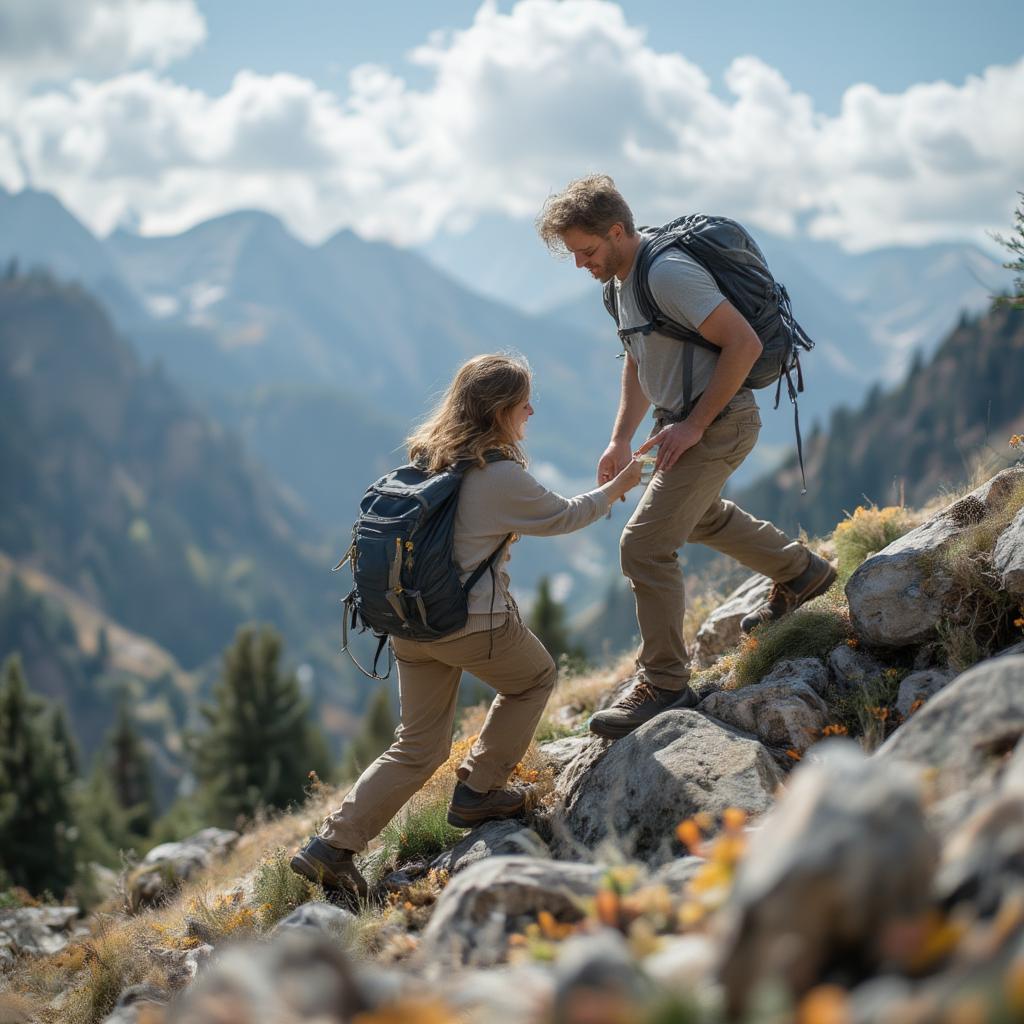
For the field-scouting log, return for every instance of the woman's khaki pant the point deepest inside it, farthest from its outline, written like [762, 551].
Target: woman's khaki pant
[511, 660]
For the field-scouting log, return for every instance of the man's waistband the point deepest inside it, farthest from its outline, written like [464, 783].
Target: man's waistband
[662, 417]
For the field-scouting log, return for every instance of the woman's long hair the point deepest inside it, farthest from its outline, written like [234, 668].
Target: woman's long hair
[472, 417]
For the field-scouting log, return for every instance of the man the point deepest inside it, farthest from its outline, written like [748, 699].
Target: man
[591, 221]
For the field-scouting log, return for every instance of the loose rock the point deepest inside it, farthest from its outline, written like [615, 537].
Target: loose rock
[496, 896]
[166, 866]
[851, 670]
[35, 931]
[782, 713]
[921, 686]
[493, 839]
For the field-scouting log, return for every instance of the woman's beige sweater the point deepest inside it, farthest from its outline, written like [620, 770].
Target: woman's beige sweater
[502, 498]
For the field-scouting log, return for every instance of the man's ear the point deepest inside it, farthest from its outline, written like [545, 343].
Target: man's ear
[616, 232]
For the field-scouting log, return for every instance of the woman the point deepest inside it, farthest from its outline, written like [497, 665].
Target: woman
[485, 409]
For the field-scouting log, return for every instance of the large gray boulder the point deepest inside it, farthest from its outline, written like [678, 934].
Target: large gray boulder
[494, 897]
[1008, 556]
[676, 765]
[897, 596]
[166, 866]
[783, 712]
[963, 732]
[844, 853]
[34, 931]
[720, 631]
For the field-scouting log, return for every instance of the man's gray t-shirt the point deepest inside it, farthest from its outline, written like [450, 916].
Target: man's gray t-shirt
[687, 294]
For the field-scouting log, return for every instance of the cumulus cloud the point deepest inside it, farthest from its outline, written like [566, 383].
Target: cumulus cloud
[517, 103]
[49, 40]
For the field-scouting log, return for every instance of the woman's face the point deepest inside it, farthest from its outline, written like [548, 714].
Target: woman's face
[517, 417]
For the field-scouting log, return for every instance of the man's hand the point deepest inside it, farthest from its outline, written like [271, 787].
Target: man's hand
[615, 459]
[675, 440]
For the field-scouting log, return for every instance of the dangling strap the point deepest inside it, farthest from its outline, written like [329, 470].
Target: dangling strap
[796, 421]
[348, 613]
[687, 379]
[486, 564]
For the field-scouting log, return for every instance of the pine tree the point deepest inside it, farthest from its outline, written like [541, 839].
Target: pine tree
[375, 737]
[260, 745]
[1015, 246]
[547, 620]
[128, 766]
[36, 834]
[65, 740]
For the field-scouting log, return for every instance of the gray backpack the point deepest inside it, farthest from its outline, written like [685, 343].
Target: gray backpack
[731, 256]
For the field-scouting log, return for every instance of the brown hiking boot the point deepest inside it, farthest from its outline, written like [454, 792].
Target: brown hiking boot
[786, 597]
[329, 866]
[469, 808]
[639, 705]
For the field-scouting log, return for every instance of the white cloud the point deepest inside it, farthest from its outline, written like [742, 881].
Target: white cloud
[50, 40]
[518, 103]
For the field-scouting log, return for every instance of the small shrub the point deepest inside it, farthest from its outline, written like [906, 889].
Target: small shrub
[980, 618]
[866, 532]
[277, 890]
[869, 712]
[809, 632]
[420, 832]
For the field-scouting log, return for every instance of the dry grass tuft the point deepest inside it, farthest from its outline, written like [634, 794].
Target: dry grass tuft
[867, 531]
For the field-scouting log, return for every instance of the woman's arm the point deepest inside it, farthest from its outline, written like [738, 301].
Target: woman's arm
[514, 501]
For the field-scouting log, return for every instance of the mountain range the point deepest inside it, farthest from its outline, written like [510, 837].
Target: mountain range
[321, 357]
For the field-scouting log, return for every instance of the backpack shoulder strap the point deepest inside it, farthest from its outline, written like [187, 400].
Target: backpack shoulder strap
[657, 318]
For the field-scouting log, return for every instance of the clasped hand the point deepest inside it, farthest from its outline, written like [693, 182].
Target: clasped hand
[674, 440]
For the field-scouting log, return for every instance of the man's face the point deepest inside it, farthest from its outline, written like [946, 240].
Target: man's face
[600, 254]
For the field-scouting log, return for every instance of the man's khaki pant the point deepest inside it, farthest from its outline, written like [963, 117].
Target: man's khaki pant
[685, 504]
[511, 660]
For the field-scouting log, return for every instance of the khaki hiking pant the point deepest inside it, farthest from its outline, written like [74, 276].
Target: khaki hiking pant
[511, 660]
[685, 504]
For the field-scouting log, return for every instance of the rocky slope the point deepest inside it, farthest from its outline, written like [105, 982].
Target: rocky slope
[835, 834]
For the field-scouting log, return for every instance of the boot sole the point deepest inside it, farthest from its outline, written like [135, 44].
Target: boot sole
[687, 699]
[471, 821]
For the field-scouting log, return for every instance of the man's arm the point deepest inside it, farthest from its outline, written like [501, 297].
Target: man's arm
[740, 346]
[632, 409]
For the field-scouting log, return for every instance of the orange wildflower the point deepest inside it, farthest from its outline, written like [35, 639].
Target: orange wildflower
[794, 755]
[826, 1004]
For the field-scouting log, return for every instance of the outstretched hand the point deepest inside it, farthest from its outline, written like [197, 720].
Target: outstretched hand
[673, 441]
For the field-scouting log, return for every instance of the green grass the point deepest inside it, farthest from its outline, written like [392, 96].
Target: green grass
[809, 632]
[420, 832]
[277, 890]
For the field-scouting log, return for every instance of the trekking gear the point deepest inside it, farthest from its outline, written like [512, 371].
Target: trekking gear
[638, 705]
[787, 597]
[469, 808]
[731, 256]
[404, 577]
[329, 867]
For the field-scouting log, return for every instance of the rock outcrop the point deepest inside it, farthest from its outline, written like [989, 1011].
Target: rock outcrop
[676, 766]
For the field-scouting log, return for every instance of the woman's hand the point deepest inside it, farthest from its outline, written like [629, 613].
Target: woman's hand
[613, 461]
[625, 480]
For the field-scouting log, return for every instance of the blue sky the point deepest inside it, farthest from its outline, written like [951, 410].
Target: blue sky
[867, 125]
[821, 47]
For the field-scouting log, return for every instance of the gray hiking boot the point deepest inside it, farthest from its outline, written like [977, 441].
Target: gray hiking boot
[469, 808]
[329, 866]
[640, 704]
[786, 597]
